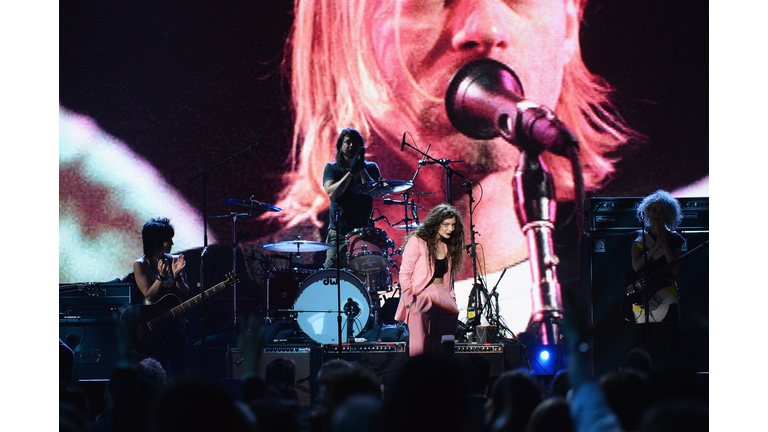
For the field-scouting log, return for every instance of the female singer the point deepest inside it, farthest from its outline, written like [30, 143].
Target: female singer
[432, 257]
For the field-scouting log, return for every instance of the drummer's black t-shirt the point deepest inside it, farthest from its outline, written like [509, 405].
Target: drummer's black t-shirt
[354, 209]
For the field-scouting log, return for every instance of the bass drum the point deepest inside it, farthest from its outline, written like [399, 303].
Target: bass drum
[316, 306]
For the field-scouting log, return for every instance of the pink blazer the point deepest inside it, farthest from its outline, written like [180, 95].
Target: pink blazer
[416, 272]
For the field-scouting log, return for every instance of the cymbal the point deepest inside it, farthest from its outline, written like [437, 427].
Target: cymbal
[297, 246]
[382, 187]
[410, 193]
[409, 226]
[250, 204]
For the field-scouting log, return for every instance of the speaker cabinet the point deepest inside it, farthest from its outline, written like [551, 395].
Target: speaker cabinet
[493, 353]
[385, 359]
[301, 354]
[94, 343]
[606, 259]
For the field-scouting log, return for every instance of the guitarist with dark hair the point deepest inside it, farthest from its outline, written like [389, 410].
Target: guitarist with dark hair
[159, 274]
[655, 246]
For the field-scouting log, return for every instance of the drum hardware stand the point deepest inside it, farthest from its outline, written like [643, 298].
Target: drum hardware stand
[203, 282]
[449, 172]
[233, 245]
[266, 264]
[407, 193]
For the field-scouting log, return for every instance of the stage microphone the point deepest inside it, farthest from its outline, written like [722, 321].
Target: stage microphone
[402, 143]
[388, 201]
[485, 100]
[468, 184]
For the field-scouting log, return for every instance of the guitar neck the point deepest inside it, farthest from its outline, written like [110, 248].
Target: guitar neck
[664, 269]
[198, 298]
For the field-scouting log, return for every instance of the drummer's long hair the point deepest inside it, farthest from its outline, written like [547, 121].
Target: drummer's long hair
[428, 233]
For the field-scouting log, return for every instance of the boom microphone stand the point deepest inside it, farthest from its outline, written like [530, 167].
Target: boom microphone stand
[646, 298]
[338, 283]
[203, 258]
[475, 305]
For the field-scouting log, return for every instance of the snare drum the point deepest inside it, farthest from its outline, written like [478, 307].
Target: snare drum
[282, 287]
[316, 306]
[367, 250]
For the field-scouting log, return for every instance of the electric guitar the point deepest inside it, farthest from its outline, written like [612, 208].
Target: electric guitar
[157, 321]
[644, 285]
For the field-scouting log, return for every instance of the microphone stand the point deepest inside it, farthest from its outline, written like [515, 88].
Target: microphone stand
[646, 298]
[338, 283]
[475, 306]
[203, 282]
[535, 208]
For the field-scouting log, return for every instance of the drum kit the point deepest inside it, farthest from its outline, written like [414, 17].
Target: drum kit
[311, 297]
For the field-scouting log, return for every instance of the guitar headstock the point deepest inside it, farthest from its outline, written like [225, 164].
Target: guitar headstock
[231, 279]
[91, 288]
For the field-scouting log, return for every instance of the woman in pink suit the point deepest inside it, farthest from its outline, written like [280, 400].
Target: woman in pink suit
[432, 257]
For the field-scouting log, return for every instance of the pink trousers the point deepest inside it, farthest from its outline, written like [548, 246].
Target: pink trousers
[433, 314]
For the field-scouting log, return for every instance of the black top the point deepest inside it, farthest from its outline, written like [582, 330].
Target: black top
[354, 209]
[441, 266]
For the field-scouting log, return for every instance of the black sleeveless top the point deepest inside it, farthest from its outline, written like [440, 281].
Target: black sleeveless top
[441, 266]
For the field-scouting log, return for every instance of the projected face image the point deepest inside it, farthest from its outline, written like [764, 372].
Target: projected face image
[420, 45]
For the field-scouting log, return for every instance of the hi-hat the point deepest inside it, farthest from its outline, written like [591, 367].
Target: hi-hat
[250, 204]
[382, 187]
[409, 226]
[297, 246]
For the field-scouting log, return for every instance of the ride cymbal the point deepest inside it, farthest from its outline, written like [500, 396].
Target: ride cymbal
[250, 204]
[382, 187]
[297, 246]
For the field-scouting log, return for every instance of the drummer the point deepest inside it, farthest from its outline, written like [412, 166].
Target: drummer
[348, 210]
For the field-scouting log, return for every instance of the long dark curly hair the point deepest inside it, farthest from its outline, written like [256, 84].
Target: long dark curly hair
[428, 232]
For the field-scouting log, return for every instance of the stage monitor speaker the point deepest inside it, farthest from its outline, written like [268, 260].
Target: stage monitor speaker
[302, 355]
[384, 358]
[94, 343]
[493, 353]
[606, 259]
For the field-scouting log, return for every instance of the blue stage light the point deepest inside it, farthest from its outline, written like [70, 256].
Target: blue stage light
[544, 355]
